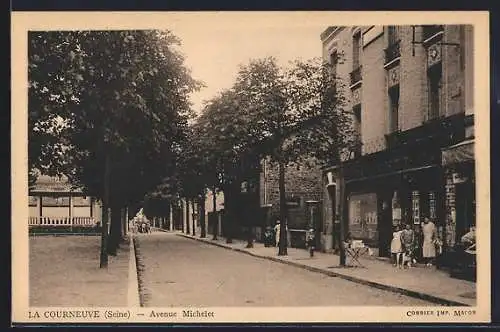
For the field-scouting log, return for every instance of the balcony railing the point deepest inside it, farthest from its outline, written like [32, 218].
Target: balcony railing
[392, 52]
[356, 75]
[431, 30]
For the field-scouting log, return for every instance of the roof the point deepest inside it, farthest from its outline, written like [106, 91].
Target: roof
[45, 183]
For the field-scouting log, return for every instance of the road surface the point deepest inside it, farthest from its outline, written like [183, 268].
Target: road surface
[182, 272]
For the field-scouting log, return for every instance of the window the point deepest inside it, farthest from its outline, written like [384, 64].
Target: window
[333, 61]
[357, 130]
[434, 78]
[394, 109]
[393, 50]
[392, 34]
[356, 46]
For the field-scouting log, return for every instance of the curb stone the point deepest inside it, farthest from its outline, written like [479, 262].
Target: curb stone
[133, 283]
[394, 289]
[144, 293]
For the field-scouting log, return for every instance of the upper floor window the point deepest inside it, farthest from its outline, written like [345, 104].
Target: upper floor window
[434, 77]
[393, 50]
[392, 34]
[429, 31]
[356, 49]
[394, 109]
[334, 59]
[357, 130]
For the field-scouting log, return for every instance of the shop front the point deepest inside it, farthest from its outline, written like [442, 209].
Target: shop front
[402, 184]
[459, 167]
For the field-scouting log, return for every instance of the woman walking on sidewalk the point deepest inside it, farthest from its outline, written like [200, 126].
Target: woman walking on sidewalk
[277, 229]
[397, 247]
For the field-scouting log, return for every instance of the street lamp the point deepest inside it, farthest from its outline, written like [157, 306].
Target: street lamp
[332, 186]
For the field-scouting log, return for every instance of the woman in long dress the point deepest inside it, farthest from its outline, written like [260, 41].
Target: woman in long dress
[277, 229]
[397, 247]
[428, 245]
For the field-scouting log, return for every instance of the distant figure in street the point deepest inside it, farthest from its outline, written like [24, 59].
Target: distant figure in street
[397, 247]
[408, 242]
[277, 229]
[429, 243]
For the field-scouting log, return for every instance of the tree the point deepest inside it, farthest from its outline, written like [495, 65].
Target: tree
[286, 114]
[119, 100]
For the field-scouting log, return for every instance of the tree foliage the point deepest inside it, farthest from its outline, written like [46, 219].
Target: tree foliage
[121, 94]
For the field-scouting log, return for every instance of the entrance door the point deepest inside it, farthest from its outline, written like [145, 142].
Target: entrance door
[385, 225]
[464, 202]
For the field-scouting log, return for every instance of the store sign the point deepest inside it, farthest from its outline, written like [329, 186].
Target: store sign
[372, 33]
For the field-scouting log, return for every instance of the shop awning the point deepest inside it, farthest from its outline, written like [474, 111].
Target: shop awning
[458, 153]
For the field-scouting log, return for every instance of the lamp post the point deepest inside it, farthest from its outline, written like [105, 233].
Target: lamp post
[332, 187]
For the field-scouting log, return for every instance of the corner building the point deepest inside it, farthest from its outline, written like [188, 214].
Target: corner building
[410, 91]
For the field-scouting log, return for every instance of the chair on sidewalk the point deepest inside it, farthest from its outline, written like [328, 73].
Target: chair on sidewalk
[354, 251]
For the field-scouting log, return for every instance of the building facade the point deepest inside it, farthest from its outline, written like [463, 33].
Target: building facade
[410, 90]
[52, 201]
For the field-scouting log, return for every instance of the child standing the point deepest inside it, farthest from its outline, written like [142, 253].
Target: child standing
[408, 242]
[397, 247]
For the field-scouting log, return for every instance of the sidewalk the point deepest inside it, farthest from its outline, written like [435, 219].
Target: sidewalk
[64, 271]
[425, 283]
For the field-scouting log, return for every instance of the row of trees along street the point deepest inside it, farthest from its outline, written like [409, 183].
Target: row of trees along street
[111, 111]
[287, 114]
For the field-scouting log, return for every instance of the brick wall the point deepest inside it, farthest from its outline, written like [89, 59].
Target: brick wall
[302, 181]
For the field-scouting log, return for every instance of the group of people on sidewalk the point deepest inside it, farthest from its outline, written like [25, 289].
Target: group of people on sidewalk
[407, 246]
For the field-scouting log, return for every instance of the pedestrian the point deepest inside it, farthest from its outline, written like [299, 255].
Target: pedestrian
[311, 242]
[277, 229]
[429, 243]
[408, 242]
[397, 247]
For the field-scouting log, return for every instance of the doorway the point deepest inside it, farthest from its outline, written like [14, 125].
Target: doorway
[465, 210]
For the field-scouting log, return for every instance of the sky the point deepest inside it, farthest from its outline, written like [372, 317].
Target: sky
[213, 52]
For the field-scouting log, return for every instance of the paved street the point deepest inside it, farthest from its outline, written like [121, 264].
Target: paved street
[183, 272]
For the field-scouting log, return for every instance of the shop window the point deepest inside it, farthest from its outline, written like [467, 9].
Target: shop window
[394, 109]
[434, 82]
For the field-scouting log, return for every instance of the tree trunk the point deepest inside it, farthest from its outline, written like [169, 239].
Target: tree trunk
[115, 230]
[283, 215]
[193, 215]
[187, 217]
[215, 217]
[203, 226]
[228, 215]
[103, 261]
[342, 213]
[124, 223]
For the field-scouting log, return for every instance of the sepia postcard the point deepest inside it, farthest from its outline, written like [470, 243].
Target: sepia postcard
[250, 167]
